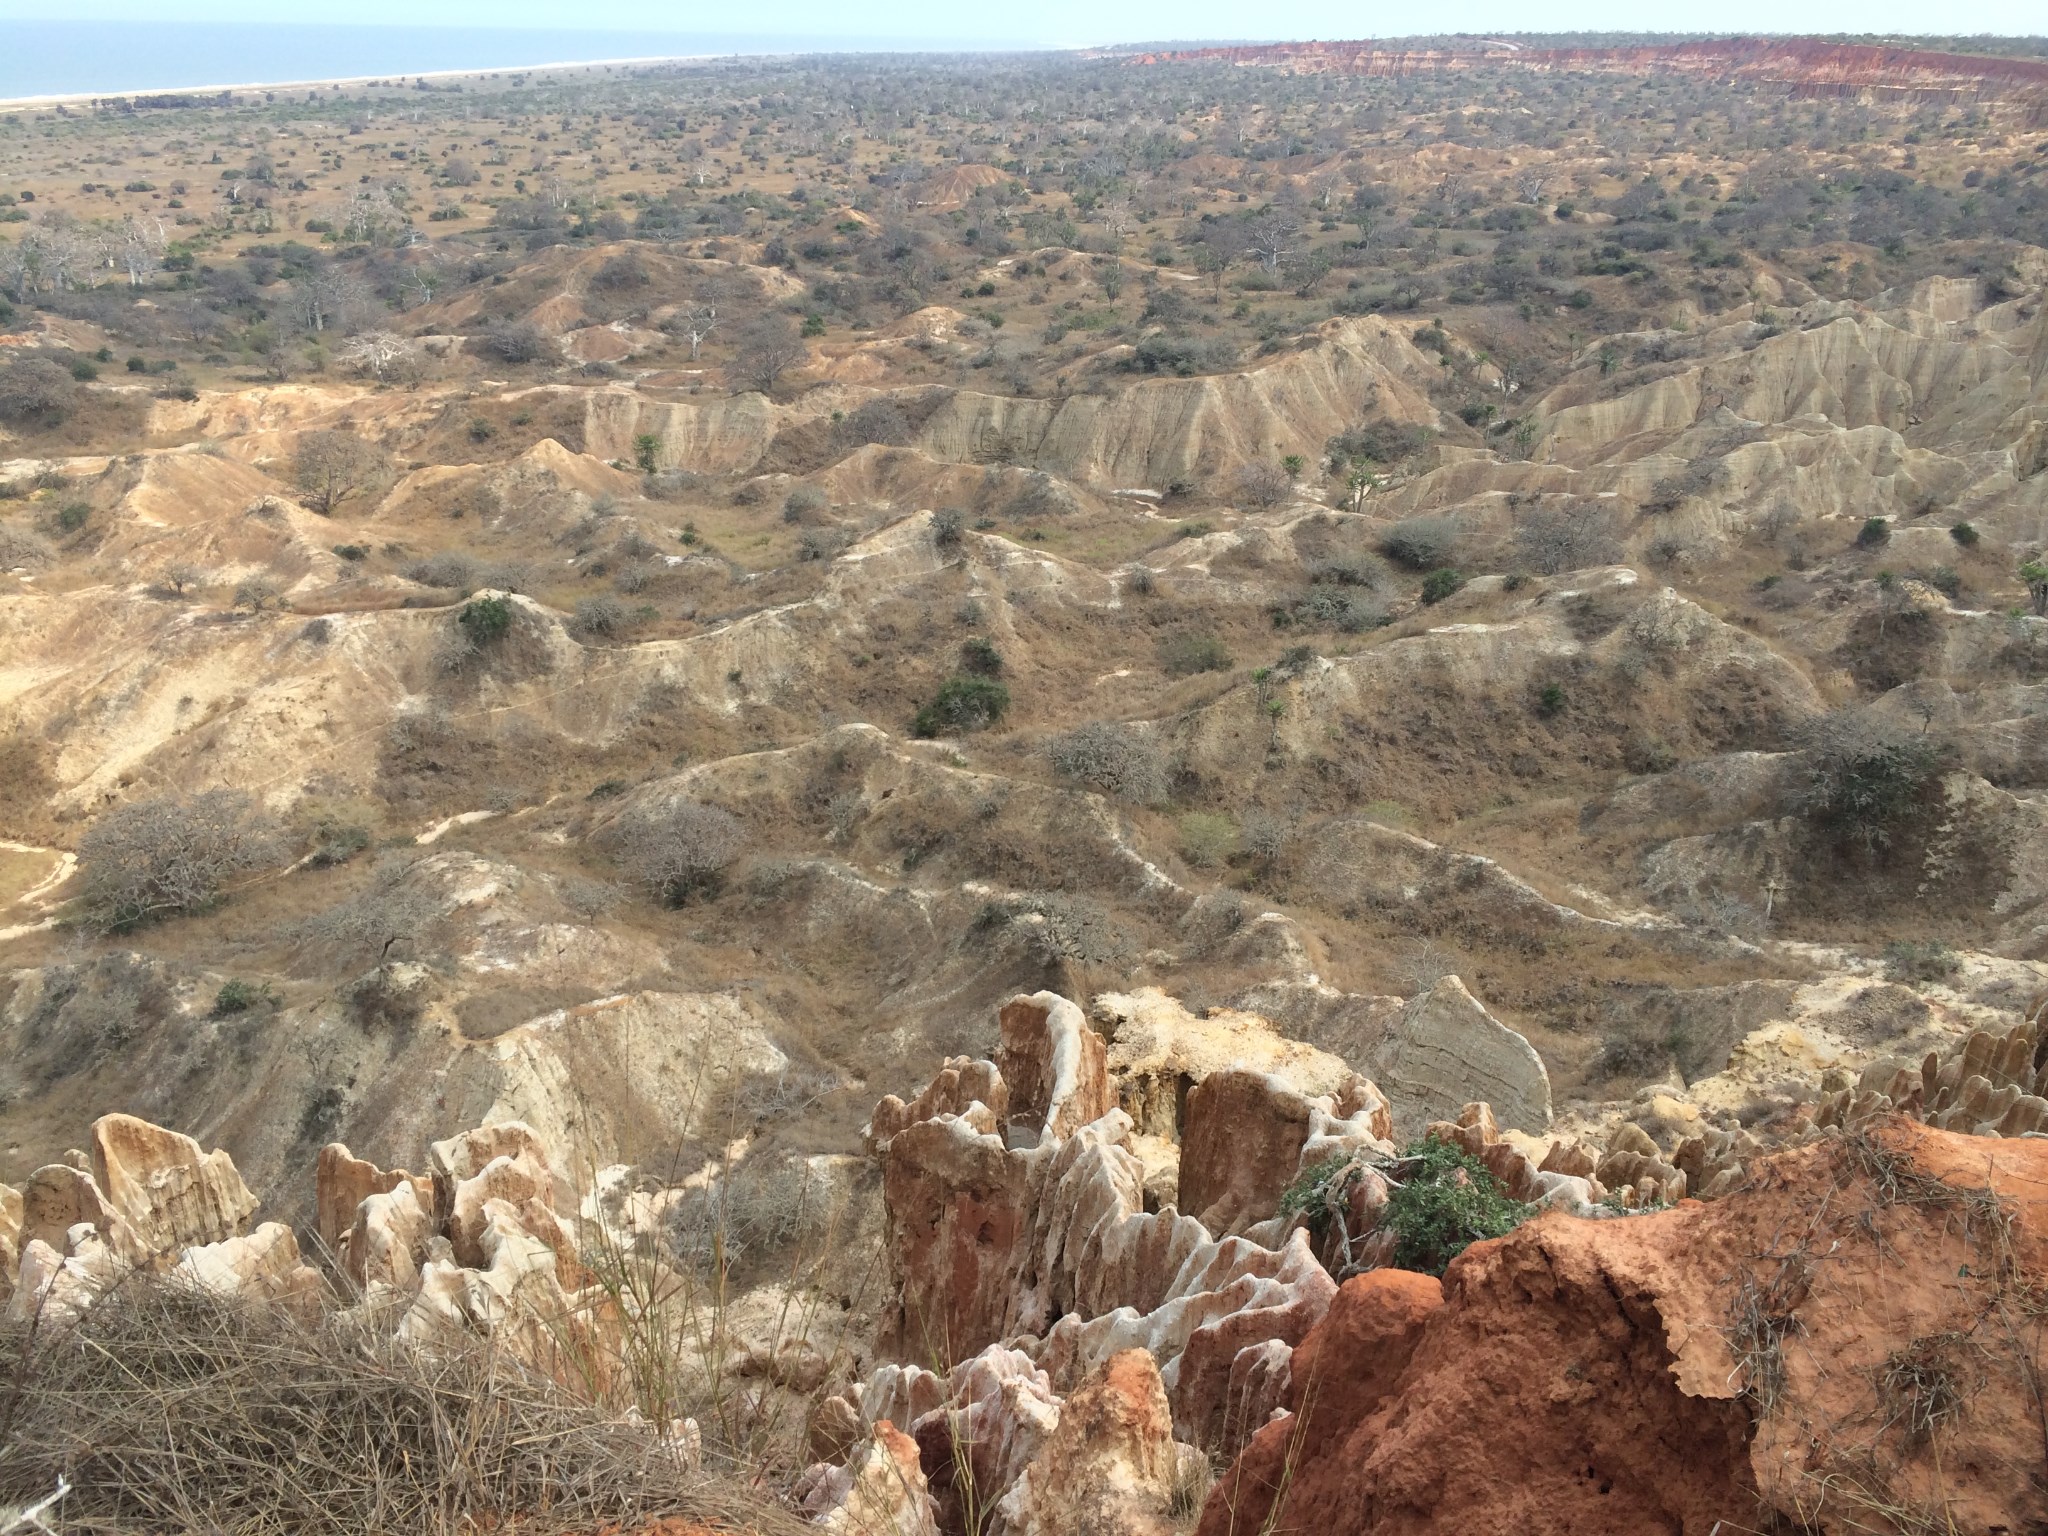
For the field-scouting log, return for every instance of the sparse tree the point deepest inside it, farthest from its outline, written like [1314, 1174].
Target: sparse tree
[257, 594]
[2035, 574]
[1273, 237]
[694, 321]
[330, 467]
[34, 391]
[381, 354]
[764, 350]
[1113, 759]
[331, 300]
[1550, 540]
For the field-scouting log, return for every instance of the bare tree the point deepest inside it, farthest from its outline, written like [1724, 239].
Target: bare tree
[257, 594]
[764, 350]
[694, 321]
[1553, 539]
[380, 354]
[330, 467]
[331, 300]
[1272, 237]
[171, 854]
[1113, 759]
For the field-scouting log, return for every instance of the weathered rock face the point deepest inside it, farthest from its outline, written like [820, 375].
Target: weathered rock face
[1158, 1052]
[1444, 1051]
[152, 1201]
[1054, 1067]
[341, 1183]
[962, 1087]
[1109, 1466]
[1791, 1352]
[1248, 1135]
[881, 1493]
[166, 1193]
[10, 1238]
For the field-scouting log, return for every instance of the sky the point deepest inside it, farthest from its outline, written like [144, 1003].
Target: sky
[1074, 22]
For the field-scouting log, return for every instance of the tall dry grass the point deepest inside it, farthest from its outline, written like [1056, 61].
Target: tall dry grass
[171, 1411]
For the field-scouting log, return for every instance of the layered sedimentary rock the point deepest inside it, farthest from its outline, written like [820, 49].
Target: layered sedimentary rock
[1444, 1050]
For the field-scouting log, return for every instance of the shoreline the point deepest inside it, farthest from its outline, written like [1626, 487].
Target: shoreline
[70, 98]
[489, 71]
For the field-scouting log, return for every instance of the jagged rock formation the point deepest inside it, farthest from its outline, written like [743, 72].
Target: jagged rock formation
[1995, 1085]
[149, 1199]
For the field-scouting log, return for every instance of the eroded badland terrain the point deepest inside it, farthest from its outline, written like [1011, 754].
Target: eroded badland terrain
[979, 751]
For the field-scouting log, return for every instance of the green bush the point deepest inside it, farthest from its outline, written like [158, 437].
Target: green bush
[1875, 533]
[1446, 1201]
[1438, 585]
[485, 619]
[1965, 534]
[238, 996]
[74, 517]
[963, 704]
[1550, 700]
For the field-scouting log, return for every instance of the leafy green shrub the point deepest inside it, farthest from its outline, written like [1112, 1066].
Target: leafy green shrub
[1184, 655]
[238, 996]
[948, 525]
[73, 517]
[1875, 533]
[1966, 535]
[1550, 700]
[1444, 1202]
[963, 704]
[485, 619]
[1440, 584]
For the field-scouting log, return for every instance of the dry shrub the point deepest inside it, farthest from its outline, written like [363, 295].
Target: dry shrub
[174, 1411]
[1113, 759]
[676, 851]
[171, 854]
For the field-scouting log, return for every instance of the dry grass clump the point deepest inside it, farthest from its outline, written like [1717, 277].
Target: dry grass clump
[171, 1410]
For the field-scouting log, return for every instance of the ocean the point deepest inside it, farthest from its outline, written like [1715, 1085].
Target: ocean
[71, 58]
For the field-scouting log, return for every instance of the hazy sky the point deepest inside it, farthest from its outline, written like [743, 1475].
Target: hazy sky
[1088, 21]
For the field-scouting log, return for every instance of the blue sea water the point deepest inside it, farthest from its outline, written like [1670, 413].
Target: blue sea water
[63, 58]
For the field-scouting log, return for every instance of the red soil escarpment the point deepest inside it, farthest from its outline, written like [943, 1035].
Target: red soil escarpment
[1809, 66]
[1855, 1342]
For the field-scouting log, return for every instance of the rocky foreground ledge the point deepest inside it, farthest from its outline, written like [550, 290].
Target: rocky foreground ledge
[1141, 1278]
